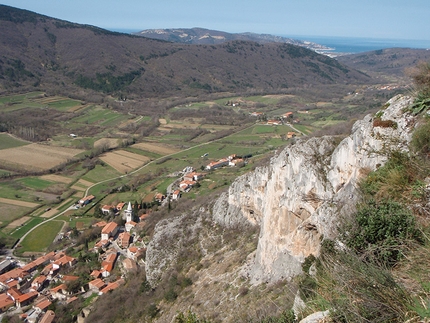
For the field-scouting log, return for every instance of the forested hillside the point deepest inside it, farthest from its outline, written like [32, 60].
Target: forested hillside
[42, 52]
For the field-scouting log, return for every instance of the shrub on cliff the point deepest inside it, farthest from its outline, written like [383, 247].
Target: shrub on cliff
[381, 231]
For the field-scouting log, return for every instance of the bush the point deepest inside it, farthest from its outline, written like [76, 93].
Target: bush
[377, 122]
[421, 140]
[394, 180]
[357, 291]
[421, 77]
[189, 317]
[380, 232]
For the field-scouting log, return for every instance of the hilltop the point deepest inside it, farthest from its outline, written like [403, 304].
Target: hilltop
[202, 36]
[389, 63]
[40, 52]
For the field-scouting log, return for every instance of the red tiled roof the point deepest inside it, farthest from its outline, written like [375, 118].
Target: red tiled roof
[109, 287]
[39, 261]
[95, 273]
[5, 301]
[13, 283]
[64, 260]
[39, 280]
[108, 263]
[43, 304]
[133, 249]
[13, 274]
[14, 293]
[48, 317]
[27, 296]
[100, 224]
[110, 227]
[58, 288]
[97, 283]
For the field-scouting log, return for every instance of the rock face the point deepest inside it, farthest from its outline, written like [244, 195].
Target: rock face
[297, 199]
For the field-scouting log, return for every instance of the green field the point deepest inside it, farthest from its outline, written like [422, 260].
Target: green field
[100, 173]
[100, 116]
[35, 183]
[20, 101]
[16, 190]
[7, 141]
[19, 232]
[64, 104]
[71, 220]
[42, 237]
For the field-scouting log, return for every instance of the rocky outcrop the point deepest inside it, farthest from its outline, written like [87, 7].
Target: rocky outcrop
[297, 199]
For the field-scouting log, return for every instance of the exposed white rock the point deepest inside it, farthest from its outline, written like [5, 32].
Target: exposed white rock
[298, 198]
[318, 317]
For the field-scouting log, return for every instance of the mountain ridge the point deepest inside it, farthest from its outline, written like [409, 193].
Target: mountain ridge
[42, 52]
[203, 36]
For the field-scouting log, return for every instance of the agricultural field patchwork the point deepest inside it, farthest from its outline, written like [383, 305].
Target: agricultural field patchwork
[187, 135]
[59, 103]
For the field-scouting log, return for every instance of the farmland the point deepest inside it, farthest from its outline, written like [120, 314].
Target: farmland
[7, 141]
[36, 157]
[120, 156]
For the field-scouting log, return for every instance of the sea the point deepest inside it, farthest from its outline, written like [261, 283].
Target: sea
[358, 45]
[346, 45]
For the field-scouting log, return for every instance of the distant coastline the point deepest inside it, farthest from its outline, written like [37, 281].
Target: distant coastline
[352, 45]
[336, 46]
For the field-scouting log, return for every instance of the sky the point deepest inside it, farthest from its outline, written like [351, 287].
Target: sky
[394, 19]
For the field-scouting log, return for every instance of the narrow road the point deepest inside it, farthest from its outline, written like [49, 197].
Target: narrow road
[111, 179]
[155, 160]
[38, 225]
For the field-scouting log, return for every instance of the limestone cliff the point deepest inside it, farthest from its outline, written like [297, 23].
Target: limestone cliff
[298, 198]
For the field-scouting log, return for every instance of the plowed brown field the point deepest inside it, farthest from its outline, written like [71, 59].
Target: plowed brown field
[156, 148]
[36, 156]
[124, 161]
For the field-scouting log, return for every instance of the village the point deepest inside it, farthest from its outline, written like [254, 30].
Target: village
[30, 289]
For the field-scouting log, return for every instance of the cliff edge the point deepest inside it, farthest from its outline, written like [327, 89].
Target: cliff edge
[298, 199]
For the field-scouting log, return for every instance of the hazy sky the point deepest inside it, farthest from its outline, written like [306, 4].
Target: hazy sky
[400, 19]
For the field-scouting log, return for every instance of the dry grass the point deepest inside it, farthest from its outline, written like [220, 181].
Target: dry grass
[85, 183]
[37, 156]
[156, 148]
[56, 178]
[18, 222]
[123, 161]
[107, 142]
[18, 202]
